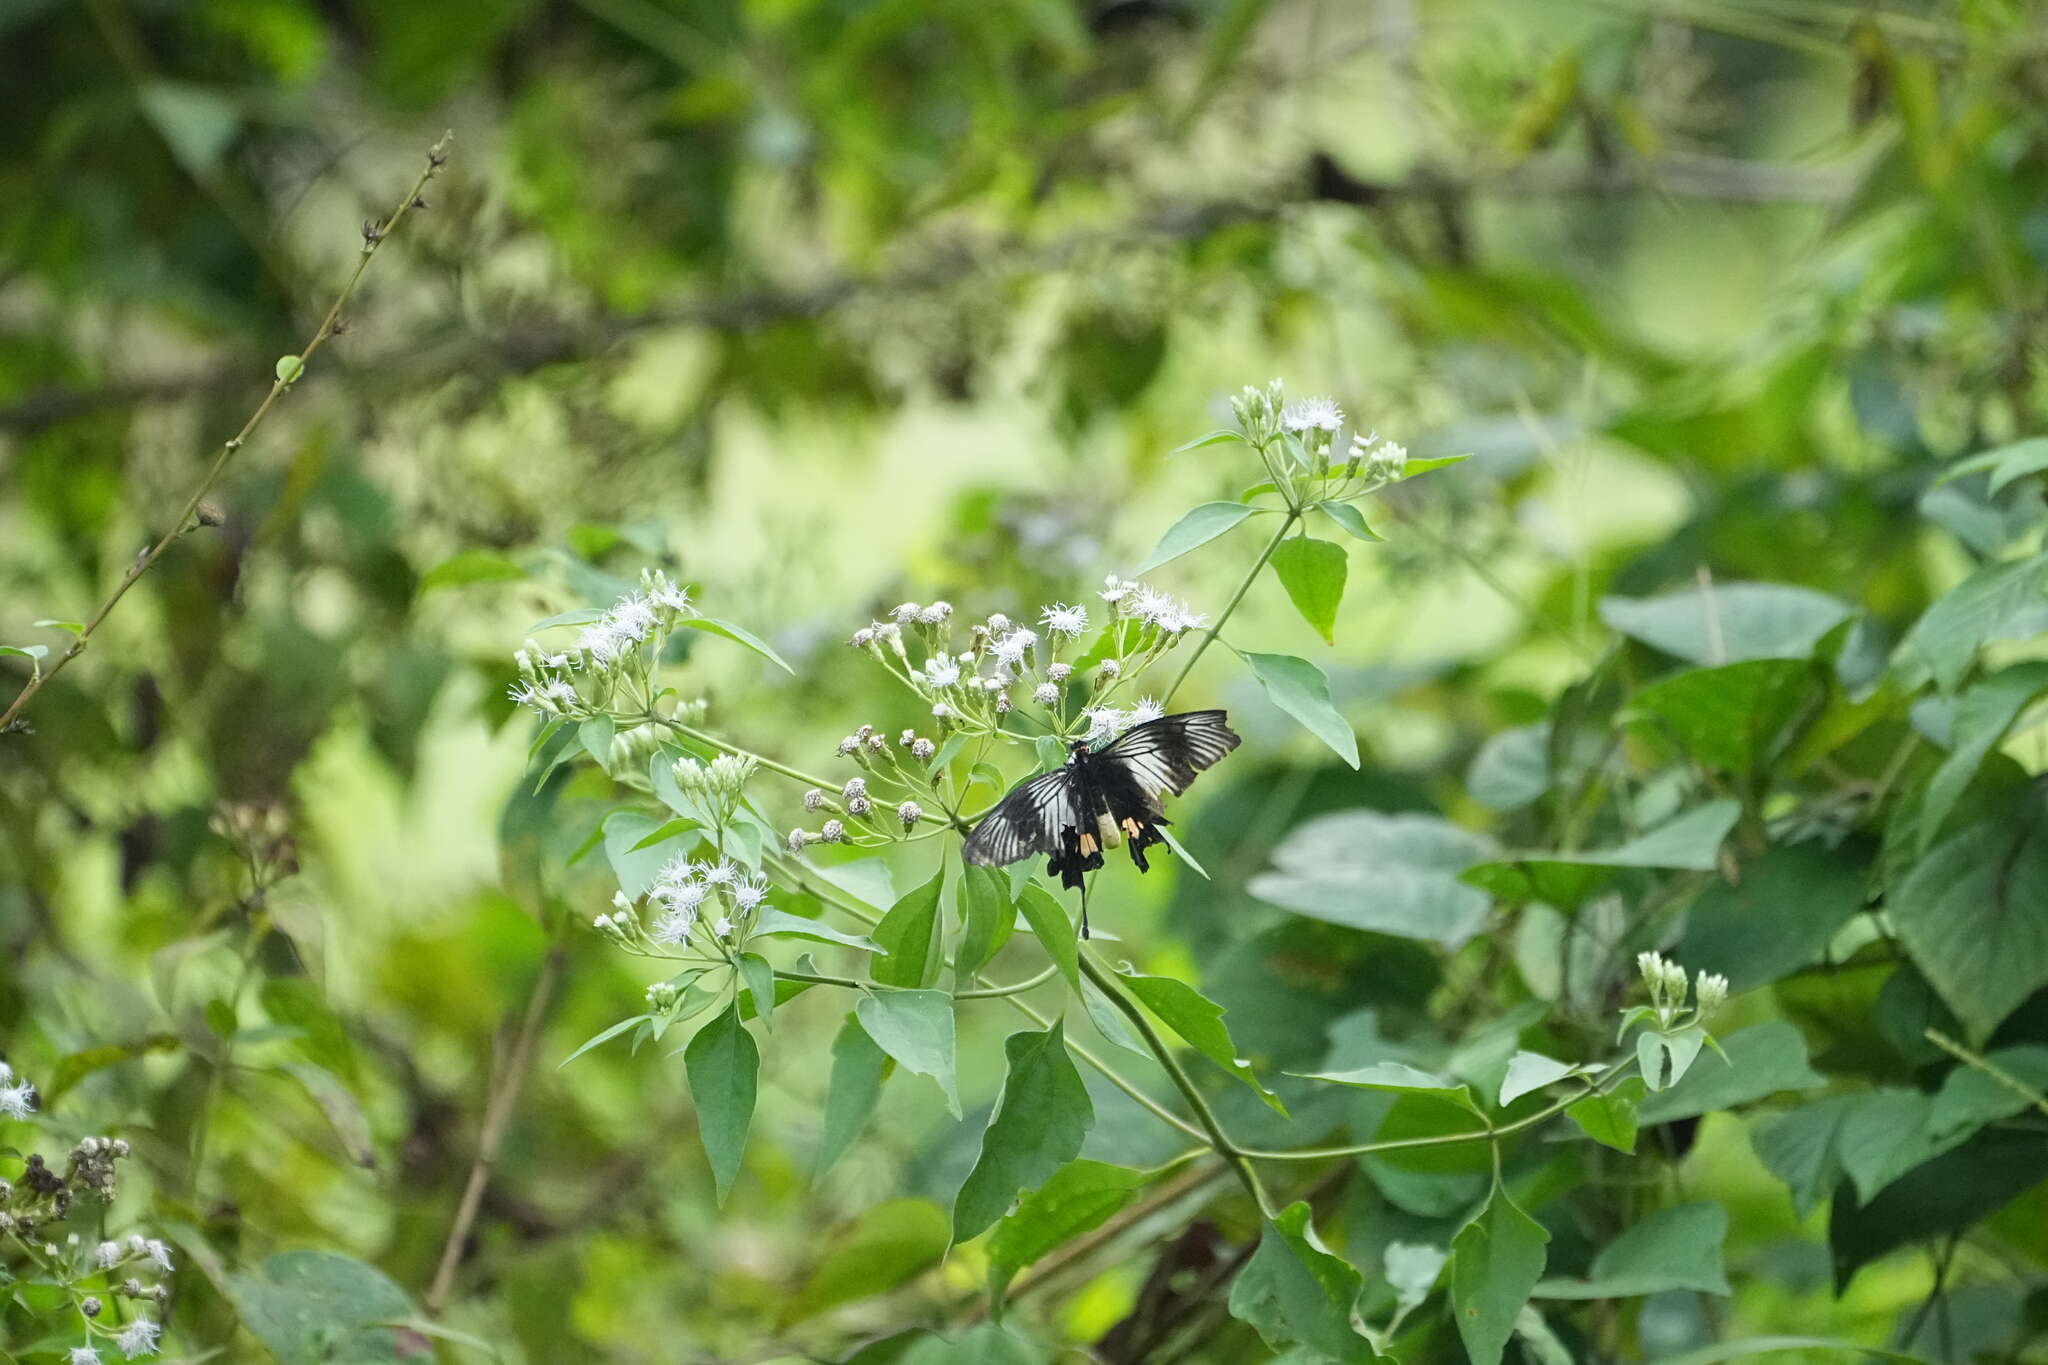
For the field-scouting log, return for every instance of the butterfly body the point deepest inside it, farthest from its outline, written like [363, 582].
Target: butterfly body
[1103, 797]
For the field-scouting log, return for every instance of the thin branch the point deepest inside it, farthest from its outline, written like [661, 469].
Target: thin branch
[374, 236]
[504, 1099]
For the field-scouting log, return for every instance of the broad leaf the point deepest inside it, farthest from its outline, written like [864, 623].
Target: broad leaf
[772, 923]
[723, 1065]
[1687, 842]
[1974, 915]
[1396, 1078]
[990, 916]
[1199, 1021]
[1674, 1248]
[1313, 572]
[858, 1070]
[310, 1307]
[1299, 688]
[910, 935]
[887, 1245]
[916, 1028]
[1038, 1125]
[1996, 602]
[1609, 1119]
[1762, 1060]
[1079, 1198]
[1729, 622]
[2004, 464]
[1350, 519]
[1390, 874]
[1294, 1291]
[1201, 525]
[1530, 1071]
[739, 635]
[1054, 931]
[1512, 768]
[1983, 714]
[1733, 717]
[1496, 1260]
[1776, 918]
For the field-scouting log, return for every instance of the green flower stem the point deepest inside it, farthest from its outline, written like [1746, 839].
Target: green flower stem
[1105, 981]
[1978, 1062]
[796, 774]
[1491, 1133]
[1015, 988]
[1287, 523]
[184, 520]
[1087, 1055]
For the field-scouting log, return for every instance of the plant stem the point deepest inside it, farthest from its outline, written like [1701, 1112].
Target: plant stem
[1286, 524]
[797, 774]
[504, 1098]
[1978, 1062]
[436, 156]
[1106, 982]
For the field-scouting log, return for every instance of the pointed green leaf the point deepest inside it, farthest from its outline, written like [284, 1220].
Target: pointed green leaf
[1212, 438]
[1423, 466]
[1294, 1291]
[887, 1246]
[1529, 1071]
[1201, 525]
[595, 735]
[1350, 519]
[1398, 1079]
[1983, 714]
[1079, 1198]
[1199, 1021]
[916, 1028]
[739, 635]
[1055, 932]
[1609, 1119]
[990, 914]
[471, 566]
[1674, 1248]
[1037, 1127]
[723, 1066]
[772, 923]
[858, 1070]
[909, 934]
[1313, 572]
[1299, 688]
[1496, 1259]
[1973, 914]
[760, 980]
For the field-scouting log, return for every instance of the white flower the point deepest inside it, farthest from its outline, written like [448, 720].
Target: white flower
[17, 1101]
[674, 925]
[526, 694]
[138, 1338]
[1711, 990]
[631, 618]
[1012, 648]
[1146, 710]
[1111, 670]
[159, 1256]
[1312, 414]
[1104, 722]
[622, 902]
[1058, 673]
[1046, 694]
[1116, 589]
[855, 788]
[723, 927]
[922, 750]
[935, 614]
[1154, 608]
[906, 613]
[813, 799]
[1384, 460]
[1061, 619]
[603, 644]
[109, 1254]
[84, 1355]
[725, 872]
[664, 593]
[561, 692]
[862, 638]
[833, 831]
[940, 672]
[747, 896]
[909, 813]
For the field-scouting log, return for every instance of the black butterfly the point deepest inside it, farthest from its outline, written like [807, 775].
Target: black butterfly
[1102, 797]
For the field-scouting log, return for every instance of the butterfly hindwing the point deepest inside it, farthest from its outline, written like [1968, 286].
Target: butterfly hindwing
[1164, 755]
[1033, 818]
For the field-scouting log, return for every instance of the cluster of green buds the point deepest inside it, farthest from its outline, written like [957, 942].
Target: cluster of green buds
[610, 665]
[1672, 1035]
[718, 788]
[1301, 445]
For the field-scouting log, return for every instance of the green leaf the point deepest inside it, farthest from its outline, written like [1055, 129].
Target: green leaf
[1202, 524]
[723, 1065]
[1199, 1021]
[760, 981]
[1299, 688]
[1396, 1078]
[1313, 572]
[1729, 622]
[1293, 1290]
[2004, 464]
[916, 1028]
[909, 934]
[1687, 842]
[74, 1067]
[1970, 1097]
[1609, 1119]
[1761, 1060]
[1798, 1147]
[1512, 768]
[635, 861]
[471, 566]
[858, 1070]
[990, 916]
[1388, 874]
[1973, 914]
[1993, 603]
[888, 1245]
[603, 1037]
[1038, 1125]
[595, 735]
[344, 1113]
[289, 368]
[1664, 1058]
[37, 652]
[1080, 1197]
[70, 627]
[712, 625]
[1742, 1348]
[1423, 466]
[1212, 438]
[1496, 1260]
[1733, 717]
[772, 923]
[1054, 931]
[1983, 714]
[1530, 1071]
[1777, 918]
[1350, 519]
[315, 1307]
[1674, 1248]
[1950, 1192]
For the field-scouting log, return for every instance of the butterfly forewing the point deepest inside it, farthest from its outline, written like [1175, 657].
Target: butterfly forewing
[1164, 755]
[1031, 819]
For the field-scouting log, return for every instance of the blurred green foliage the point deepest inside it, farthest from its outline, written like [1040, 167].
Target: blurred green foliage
[822, 304]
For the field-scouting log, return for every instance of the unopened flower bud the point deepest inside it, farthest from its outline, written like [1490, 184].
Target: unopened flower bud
[834, 832]
[909, 813]
[813, 799]
[1046, 694]
[922, 750]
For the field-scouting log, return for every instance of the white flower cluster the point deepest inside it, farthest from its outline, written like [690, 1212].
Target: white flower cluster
[1667, 984]
[17, 1097]
[152, 1253]
[691, 899]
[1298, 443]
[619, 642]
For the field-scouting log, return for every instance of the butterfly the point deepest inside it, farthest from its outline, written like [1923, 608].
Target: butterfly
[1101, 797]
